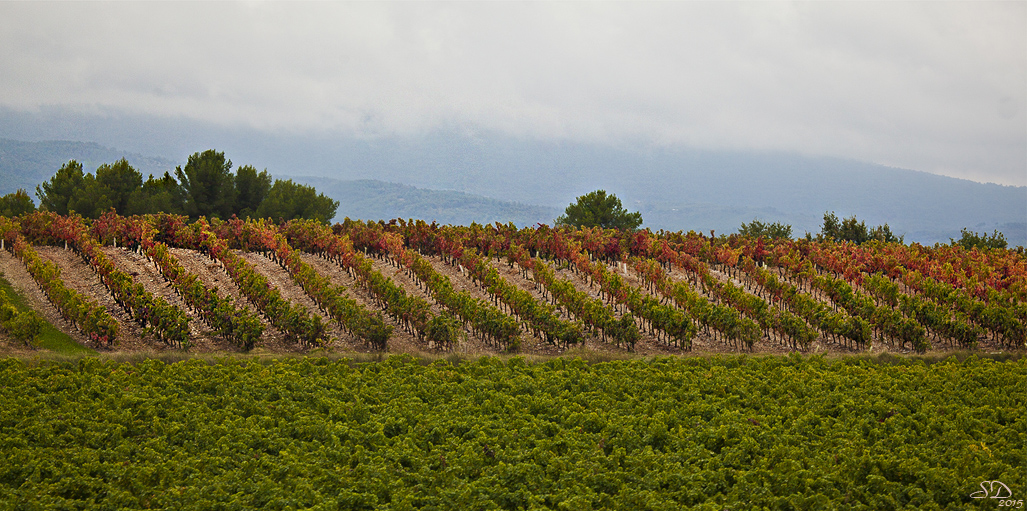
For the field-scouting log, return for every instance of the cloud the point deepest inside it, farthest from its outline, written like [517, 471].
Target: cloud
[940, 87]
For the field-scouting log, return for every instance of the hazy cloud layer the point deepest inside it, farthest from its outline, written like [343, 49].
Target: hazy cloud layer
[940, 87]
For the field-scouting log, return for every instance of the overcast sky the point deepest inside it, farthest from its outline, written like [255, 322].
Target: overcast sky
[939, 87]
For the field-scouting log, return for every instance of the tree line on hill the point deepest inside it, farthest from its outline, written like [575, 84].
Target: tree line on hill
[206, 187]
[599, 209]
[856, 231]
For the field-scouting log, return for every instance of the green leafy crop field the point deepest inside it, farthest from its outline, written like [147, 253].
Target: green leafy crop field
[736, 432]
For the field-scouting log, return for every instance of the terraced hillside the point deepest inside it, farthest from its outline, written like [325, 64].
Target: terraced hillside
[160, 282]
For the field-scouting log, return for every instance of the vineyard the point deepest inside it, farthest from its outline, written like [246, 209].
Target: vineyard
[444, 431]
[160, 282]
[703, 433]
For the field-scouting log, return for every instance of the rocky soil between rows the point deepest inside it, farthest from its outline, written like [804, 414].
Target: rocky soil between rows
[79, 276]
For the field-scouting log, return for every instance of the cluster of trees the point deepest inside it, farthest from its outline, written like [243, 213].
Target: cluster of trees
[758, 229]
[971, 239]
[597, 209]
[206, 186]
[17, 203]
[849, 229]
[856, 231]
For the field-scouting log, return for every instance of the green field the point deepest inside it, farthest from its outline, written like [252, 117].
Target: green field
[736, 432]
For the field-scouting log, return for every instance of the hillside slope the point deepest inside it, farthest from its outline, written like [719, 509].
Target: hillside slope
[377, 200]
[677, 294]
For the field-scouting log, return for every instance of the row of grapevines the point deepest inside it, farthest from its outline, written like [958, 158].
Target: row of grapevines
[989, 274]
[763, 433]
[593, 313]
[597, 319]
[482, 318]
[852, 326]
[953, 325]
[540, 318]
[978, 287]
[412, 312]
[169, 323]
[714, 318]
[21, 326]
[238, 325]
[790, 324]
[653, 258]
[332, 299]
[295, 321]
[82, 312]
[666, 323]
[153, 313]
[786, 324]
[890, 324]
[999, 319]
[854, 331]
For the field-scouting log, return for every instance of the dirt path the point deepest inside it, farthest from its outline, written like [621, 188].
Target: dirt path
[400, 341]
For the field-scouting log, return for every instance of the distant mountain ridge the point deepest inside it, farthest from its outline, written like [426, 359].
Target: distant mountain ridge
[673, 188]
[27, 164]
[368, 199]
